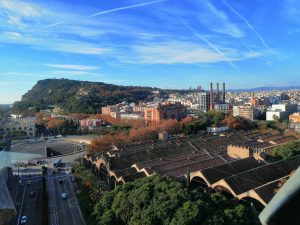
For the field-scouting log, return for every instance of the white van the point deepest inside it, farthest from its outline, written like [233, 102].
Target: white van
[64, 195]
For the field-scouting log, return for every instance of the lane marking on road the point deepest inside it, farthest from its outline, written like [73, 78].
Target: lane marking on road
[75, 198]
[21, 205]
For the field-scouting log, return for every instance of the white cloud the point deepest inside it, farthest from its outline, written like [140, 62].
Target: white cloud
[218, 21]
[72, 66]
[118, 38]
[10, 34]
[174, 52]
[87, 49]
[16, 21]
[254, 54]
[54, 44]
[171, 53]
[213, 46]
[250, 27]
[21, 8]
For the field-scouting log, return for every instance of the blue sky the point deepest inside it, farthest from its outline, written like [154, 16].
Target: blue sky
[167, 43]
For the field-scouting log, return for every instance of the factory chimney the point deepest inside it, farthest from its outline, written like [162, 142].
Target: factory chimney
[211, 105]
[218, 94]
[223, 97]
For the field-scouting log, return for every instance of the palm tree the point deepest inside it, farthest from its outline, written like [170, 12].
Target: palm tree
[97, 191]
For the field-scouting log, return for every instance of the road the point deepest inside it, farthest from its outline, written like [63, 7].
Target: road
[30, 206]
[63, 211]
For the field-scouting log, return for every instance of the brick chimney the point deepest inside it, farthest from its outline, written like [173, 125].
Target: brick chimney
[223, 97]
[211, 105]
[218, 94]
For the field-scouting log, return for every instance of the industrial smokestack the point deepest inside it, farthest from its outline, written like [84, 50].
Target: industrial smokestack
[211, 105]
[218, 94]
[223, 93]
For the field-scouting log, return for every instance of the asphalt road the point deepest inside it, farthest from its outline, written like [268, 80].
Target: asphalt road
[63, 211]
[27, 205]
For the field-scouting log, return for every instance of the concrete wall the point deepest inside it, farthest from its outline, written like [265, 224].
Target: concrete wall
[238, 151]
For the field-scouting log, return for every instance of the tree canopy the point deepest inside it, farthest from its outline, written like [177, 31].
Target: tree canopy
[156, 200]
[287, 150]
[82, 96]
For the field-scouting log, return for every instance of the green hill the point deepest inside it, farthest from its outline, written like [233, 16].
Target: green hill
[80, 96]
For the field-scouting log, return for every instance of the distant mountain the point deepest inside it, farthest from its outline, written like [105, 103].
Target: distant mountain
[5, 106]
[284, 88]
[81, 96]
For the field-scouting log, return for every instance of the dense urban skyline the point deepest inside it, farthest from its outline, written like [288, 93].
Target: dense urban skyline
[166, 43]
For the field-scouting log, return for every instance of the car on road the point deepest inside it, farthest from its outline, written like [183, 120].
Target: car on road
[60, 181]
[40, 162]
[23, 220]
[64, 195]
[28, 182]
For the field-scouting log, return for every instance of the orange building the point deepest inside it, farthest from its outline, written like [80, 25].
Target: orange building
[165, 110]
[108, 109]
[294, 121]
[294, 118]
[253, 102]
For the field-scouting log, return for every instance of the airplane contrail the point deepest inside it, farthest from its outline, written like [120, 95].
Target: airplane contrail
[54, 25]
[250, 26]
[211, 45]
[123, 8]
[109, 11]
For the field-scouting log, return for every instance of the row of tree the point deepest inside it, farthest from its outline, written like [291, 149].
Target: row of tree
[145, 133]
[141, 132]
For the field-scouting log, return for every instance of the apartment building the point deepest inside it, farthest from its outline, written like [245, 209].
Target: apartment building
[203, 100]
[91, 123]
[18, 127]
[107, 110]
[165, 110]
[281, 111]
[245, 111]
[294, 121]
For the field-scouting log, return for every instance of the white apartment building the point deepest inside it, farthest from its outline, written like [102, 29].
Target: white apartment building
[22, 126]
[282, 111]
